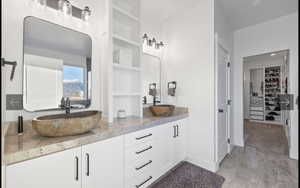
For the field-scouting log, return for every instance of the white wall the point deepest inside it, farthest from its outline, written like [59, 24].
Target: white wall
[189, 59]
[274, 35]
[15, 11]
[223, 27]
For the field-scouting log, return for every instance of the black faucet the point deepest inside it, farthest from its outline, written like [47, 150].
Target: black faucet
[144, 100]
[155, 101]
[65, 104]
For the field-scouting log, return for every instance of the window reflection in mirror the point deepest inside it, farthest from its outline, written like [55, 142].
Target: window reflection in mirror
[57, 63]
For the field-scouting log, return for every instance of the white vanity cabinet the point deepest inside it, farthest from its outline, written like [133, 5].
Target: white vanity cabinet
[89, 166]
[59, 170]
[134, 160]
[179, 143]
[152, 152]
[102, 164]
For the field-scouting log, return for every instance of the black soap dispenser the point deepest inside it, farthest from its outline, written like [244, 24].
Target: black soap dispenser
[20, 125]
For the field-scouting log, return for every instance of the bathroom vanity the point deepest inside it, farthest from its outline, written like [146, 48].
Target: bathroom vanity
[129, 153]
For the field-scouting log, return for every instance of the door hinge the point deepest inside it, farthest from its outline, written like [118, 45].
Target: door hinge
[228, 64]
[228, 140]
[228, 102]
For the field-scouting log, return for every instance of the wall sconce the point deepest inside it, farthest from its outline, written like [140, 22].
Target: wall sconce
[85, 14]
[172, 88]
[152, 42]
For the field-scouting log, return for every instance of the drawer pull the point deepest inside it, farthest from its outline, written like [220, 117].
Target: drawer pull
[139, 168]
[139, 138]
[174, 135]
[139, 152]
[138, 186]
[87, 164]
[76, 168]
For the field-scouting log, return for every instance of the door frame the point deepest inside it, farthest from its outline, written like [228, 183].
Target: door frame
[219, 44]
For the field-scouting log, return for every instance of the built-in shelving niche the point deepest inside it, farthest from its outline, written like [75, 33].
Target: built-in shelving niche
[272, 90]
[126, 38]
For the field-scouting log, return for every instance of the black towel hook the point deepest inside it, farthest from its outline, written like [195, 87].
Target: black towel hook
[12, 63]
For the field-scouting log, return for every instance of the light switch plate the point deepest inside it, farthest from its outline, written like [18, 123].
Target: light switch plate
[14, 102]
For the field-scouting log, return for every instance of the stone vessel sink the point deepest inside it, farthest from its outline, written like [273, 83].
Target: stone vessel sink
[162, 110]
[66, 124]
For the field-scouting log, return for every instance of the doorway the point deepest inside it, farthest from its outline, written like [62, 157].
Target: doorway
[266, 121]
[222, 101]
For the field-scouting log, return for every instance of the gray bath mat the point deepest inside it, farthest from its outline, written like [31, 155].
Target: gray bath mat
[187, 175]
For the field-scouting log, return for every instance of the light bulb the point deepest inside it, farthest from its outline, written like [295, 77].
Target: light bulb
[85, 13]
[145, 37]
[65, 6]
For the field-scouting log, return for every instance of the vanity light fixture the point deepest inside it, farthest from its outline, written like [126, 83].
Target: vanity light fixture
[85, 13]
[152, 42]
[65, 6]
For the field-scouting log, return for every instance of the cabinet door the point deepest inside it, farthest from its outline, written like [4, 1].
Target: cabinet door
[165, 147]
[179, 144]
[102, 164]
[57, 170]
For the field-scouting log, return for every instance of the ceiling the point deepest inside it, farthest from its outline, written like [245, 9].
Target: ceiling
[267, 56]
[243, 13]
[159, 10]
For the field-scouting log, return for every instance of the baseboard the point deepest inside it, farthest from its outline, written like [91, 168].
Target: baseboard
[211, 166]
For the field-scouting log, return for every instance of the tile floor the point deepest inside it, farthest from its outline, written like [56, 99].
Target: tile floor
[263, 162]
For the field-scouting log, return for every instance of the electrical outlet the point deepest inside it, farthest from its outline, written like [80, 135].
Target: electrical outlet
[14, 102]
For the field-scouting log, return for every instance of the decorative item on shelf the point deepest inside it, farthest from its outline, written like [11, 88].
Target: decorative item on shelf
[121, 114]
[152, 42]
[85, 13]
[65, 7]
[171, 88]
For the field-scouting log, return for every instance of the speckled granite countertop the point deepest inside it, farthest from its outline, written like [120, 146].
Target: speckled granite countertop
[30, 145]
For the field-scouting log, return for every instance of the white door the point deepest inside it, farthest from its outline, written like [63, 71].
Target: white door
[103, 164]
[57, 170]
[222, 84]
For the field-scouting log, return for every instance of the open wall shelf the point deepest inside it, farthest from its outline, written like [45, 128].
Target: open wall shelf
[131, 7]
[125, 89]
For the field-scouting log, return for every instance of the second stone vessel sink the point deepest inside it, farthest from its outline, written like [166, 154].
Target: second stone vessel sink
[66, 124]
[162, 110]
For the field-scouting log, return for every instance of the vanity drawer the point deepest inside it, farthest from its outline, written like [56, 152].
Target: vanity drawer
[140, 152]
[141, 180]
[142, 136]
[138, 168]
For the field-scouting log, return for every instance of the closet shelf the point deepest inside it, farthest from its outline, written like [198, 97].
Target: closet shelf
[124, 67]
[125, 13]
[128, 41]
